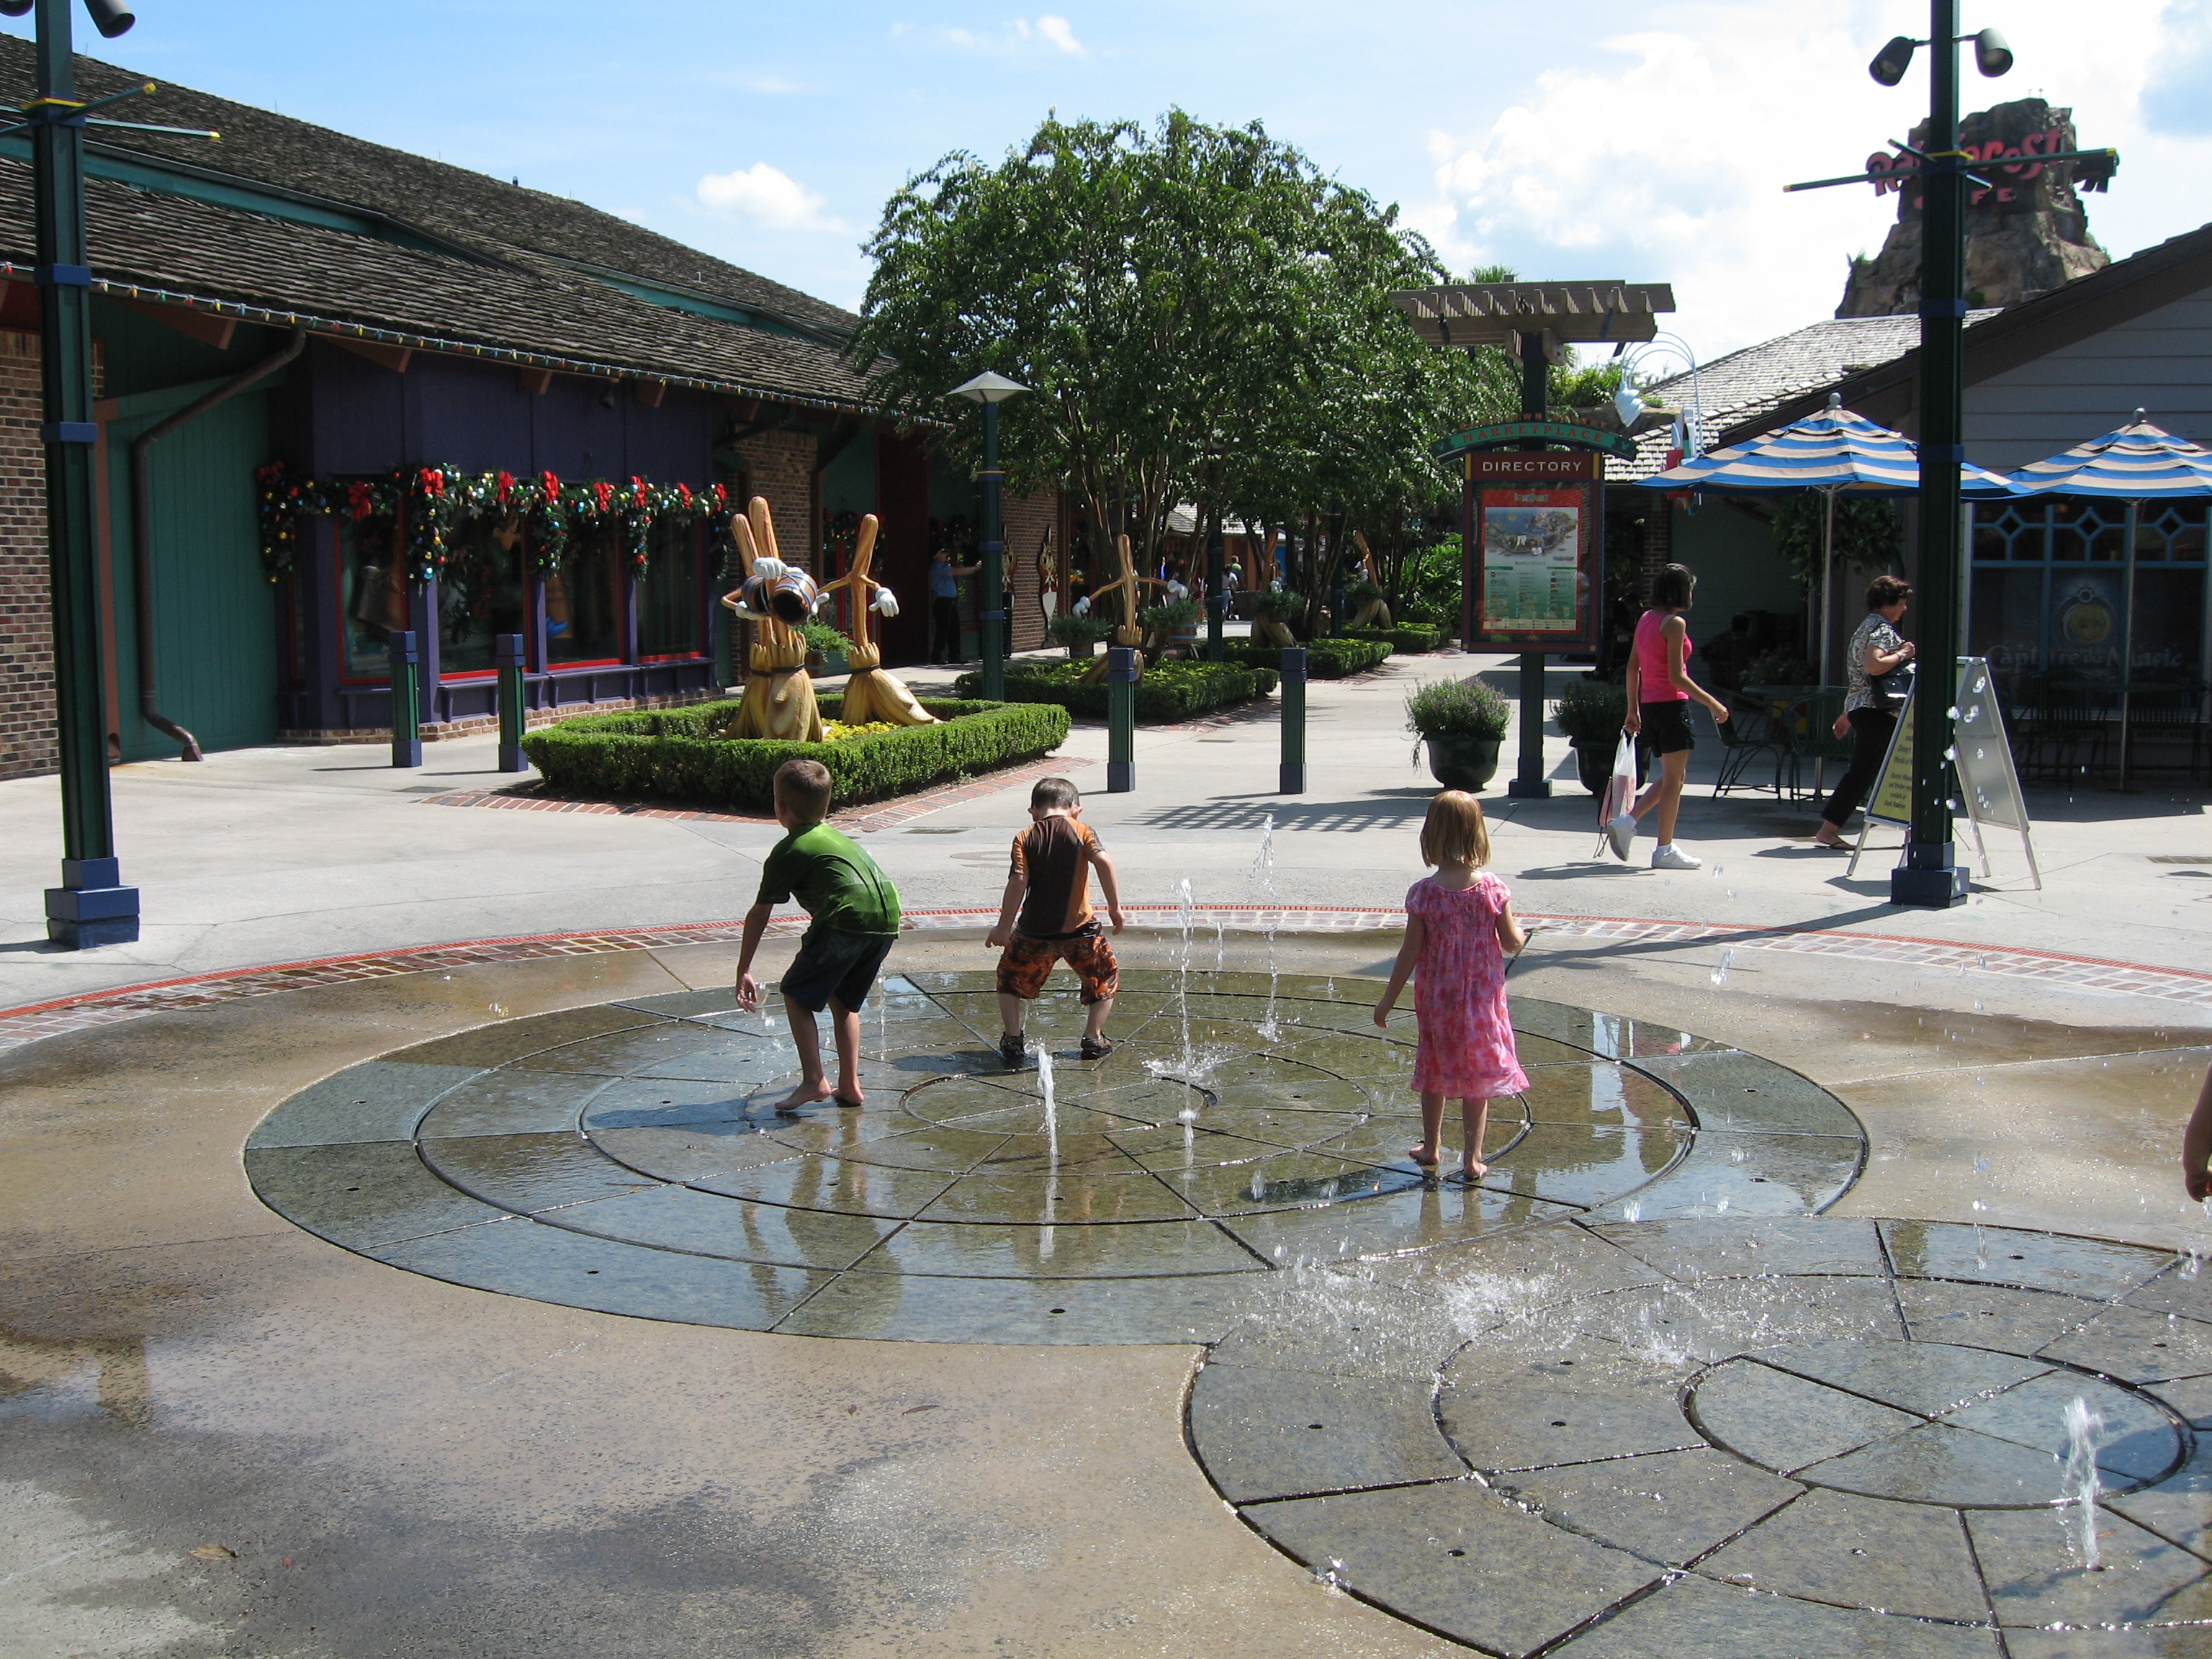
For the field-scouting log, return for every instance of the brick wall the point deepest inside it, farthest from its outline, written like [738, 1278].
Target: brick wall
[1658, 542]
[780, 466]
[27, 743]
[1027, 519]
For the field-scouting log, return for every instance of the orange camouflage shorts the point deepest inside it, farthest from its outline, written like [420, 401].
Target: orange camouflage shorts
[1026, 964]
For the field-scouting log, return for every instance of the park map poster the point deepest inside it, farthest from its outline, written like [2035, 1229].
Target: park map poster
[1531, 561]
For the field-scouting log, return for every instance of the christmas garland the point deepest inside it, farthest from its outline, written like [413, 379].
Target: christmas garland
[432, 502]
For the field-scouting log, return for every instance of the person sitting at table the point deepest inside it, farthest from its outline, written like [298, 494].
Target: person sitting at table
[1869, 711]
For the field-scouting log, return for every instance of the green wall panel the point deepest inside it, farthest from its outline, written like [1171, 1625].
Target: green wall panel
[216, 640]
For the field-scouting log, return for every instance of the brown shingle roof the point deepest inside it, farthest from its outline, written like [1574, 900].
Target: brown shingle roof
[507, 278]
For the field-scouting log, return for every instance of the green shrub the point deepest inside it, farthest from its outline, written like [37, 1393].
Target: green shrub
[1325, 660]
[1169, 691]
[825, 641]
[1457, 709]
[1169, 613]
[674, 755]
[1409, 637]
[1591, 711]
[1077, 633]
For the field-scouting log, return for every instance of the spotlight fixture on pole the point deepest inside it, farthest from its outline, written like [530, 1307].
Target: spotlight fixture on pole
[991, 390]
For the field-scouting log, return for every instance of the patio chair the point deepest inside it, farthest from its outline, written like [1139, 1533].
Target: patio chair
[1749, 731]
[2076, 724]
[2168, 715]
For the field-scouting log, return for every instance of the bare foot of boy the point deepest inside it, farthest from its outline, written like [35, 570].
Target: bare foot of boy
[1426, 1156]
[805, 1095]
[1473, 1170]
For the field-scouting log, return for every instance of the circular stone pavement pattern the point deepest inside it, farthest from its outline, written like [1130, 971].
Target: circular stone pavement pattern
[629, 1157]
[1806, 1437]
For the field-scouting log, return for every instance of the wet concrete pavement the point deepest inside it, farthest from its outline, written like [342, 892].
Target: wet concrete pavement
[452, 1472]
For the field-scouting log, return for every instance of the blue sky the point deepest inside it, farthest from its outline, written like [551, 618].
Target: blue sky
[1646, 141]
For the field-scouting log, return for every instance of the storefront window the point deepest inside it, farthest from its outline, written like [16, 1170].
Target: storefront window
[479, 593]
[2050, 592]
[372, 594]
[671, 618]
[583, 601]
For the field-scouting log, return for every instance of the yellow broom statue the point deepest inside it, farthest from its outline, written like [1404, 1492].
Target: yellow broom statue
[777, 598]
[872, 692]
[1127, 585]
[1375, 613]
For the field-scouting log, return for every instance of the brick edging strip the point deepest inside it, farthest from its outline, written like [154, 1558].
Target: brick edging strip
[62, 1015]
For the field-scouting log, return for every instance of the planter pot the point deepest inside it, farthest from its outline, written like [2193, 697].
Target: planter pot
[1463, 762]
[1593, 765]
[1082, 650]
[824, 667]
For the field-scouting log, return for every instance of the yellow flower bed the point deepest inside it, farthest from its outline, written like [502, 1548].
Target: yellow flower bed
[836, 731]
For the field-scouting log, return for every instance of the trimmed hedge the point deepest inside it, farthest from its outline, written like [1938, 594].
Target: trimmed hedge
[672, 754]
[1169, 691]
[1326, 659]
[1409, 637]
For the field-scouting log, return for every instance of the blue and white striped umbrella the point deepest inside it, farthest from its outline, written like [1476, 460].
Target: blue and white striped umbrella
[2139, 463]
[1834, 450]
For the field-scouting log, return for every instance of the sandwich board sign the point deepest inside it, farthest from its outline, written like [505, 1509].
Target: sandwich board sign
[1981, 761]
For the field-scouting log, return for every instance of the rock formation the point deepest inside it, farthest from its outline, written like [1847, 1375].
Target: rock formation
[2026, 235]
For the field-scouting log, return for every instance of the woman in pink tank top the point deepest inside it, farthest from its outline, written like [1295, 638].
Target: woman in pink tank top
[1660, 693]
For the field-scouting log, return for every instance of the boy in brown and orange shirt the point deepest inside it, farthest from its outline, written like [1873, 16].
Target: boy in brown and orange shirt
[1045, 917]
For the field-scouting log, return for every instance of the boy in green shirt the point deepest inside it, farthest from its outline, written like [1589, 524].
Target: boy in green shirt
[856, 919]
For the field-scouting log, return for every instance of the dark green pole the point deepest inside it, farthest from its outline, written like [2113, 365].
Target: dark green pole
[1531, 784]
[91, 907]
[507, 655]
[1928, 876]
[993, 619]
[1217, 596]
[1120, 719]
[1290, 780]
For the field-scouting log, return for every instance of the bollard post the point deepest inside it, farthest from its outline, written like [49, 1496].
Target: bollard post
[1120, 719]
[406, 699]
[1531, 784]
[1293, 778]
[507, 656]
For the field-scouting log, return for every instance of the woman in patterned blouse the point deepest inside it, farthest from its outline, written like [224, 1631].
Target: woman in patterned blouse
[1869, 714]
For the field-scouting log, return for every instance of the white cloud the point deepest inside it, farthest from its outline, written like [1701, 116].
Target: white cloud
[1056, 30]
[1019, 35]
[1662, 156]
[769, 197]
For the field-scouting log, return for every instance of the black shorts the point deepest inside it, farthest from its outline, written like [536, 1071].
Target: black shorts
[1666, 728]
[833, 963]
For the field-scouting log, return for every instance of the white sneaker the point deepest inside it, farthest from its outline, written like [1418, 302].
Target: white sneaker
[1674, 858]
[1621, 834]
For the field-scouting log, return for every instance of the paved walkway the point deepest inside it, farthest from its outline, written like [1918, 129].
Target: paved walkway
[220, 1433]
[278, 855]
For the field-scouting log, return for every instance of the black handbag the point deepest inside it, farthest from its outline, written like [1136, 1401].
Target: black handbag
[1891, 690]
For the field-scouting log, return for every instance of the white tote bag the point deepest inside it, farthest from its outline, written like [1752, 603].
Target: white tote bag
[1620, 792]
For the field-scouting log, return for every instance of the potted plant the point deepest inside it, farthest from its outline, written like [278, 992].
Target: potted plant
[1172, 623]
[1590, 713]
[1463, 722]
[826, 649]
[1779, 668]
[1081, 635]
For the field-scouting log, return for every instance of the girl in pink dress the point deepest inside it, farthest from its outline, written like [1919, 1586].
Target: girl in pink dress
[1460, 931]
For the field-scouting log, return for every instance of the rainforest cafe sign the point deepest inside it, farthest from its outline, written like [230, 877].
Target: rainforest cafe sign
[2010, 166]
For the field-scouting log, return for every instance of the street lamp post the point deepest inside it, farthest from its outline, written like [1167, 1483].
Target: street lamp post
[991, 390]
[1930, 875]
[92, 906]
